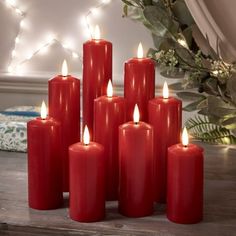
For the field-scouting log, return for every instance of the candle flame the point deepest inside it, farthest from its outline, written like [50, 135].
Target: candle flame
[64, 69]
[165, 90]
[86, 137]
[140, 51]
[136, 115]
[97, 33]
[43, 110]
[109, 89]
[185, 137]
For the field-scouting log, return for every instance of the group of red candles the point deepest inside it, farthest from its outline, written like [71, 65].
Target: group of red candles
[138, 162]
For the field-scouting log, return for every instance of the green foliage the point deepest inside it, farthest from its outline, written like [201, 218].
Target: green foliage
[203, 129]
[180, 50]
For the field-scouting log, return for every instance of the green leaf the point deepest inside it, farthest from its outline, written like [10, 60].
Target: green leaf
[187, 33]
[192, 106]
[201, 128]
[171, 72]
[157, 40]
[185, 56]
[176, 86]
[230, 123]
[162, 24]
[181, 12]
[217, 107]
[125, 10]
[147, 2]
[231, 87]
[134, 3]
[151, 53]
[190, 96]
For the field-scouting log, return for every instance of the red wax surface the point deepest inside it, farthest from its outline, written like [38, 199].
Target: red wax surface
[109, 114]
[87, 182]
[185, 184]
[165, 115]
[44, 164]
[139, 85]
[97, 71]
[64, 105]
[136, 169]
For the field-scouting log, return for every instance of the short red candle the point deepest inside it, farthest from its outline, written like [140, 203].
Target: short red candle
[139, 84]
[87, 182]
[64, 105]
[97, 71]
[136, 169]
[44, 164]
[165, 115]
[109, 114]
[185, 184]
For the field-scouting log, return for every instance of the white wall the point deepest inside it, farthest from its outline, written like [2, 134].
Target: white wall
[63, 19]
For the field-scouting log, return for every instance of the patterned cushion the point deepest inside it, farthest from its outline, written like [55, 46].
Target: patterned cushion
[13, 128]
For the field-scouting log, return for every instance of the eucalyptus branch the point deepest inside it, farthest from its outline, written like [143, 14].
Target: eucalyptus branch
[191, 66]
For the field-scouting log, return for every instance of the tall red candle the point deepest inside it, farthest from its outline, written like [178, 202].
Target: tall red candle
[87, 180]
[97, 71]
[139, 84]
[185, 182]
[136, 168]
[64, 105]
[109, 114]
[44, 163]
[165, 115]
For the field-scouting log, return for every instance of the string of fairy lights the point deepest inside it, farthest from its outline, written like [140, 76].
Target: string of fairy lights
[14, 68]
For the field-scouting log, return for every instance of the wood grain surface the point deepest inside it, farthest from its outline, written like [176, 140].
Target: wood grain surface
[219, 210]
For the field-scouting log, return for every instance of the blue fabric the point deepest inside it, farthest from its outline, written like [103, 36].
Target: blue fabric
[21, 113]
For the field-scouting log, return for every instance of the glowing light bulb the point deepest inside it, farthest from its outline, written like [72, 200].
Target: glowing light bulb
[13, 53]
[215, 72]
[185, 140]
[50, 37]
[109, 89]
[86, 136]
[17, 40]
[83, 21]
[11, 2]
[136, 115]
[106, 1]
[75, 55]
[43, 111]
[43, 50]
[97, 33]
[22, 24]
[183, 43]
[140, 51]
[165, 90]
[10, 69]
[95, 11]
[18, 11]
[29, 56]
[64, 69]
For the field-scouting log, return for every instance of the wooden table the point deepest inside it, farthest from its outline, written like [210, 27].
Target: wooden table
[219, 215]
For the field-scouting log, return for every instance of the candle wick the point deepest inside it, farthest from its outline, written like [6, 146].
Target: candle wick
[135, 123]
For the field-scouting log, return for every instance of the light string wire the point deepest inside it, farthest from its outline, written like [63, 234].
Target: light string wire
[50, 42]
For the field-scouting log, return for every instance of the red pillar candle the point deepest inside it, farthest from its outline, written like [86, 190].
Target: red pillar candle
[185, 182]
[165, 115]
[136, 168]
[44, 162]
[109, 114]
[139, 84]
[87, 180]
[64, 105]
[97, 71]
